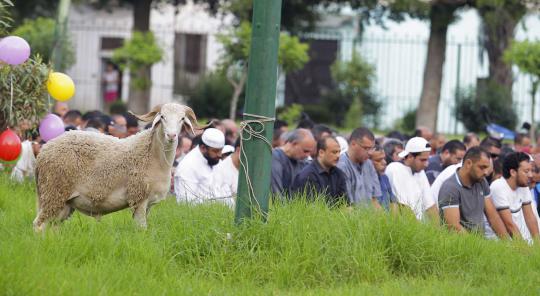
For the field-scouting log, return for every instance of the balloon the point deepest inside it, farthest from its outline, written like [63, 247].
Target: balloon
[60, 86]
[51, 127]
[14, 50]
[10, 146]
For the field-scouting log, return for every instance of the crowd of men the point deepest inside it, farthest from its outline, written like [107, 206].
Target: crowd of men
[484, 187]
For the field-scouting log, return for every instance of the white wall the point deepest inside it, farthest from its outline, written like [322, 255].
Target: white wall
[87, 26]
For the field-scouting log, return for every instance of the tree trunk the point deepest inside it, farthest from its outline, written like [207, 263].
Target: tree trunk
[139, 99]
[498, 32]
[441, 16]
[534, 88]
[238, 88]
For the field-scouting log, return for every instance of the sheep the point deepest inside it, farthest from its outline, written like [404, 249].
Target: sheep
[99, 174]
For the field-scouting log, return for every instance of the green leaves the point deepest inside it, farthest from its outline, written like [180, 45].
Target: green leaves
[292, 54]
[40, 35]
[5, 18]
[29, 92]
[137, 53]
[525, 55]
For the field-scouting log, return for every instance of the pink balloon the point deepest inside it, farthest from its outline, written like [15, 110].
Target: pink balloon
[14, 50]
[51, 127]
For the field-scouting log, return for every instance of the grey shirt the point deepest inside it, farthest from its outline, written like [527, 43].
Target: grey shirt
[469, 200]
[362, 180]
[284, 171]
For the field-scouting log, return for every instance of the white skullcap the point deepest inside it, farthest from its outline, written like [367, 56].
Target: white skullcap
[212, 137]
[343, 145]
[227, 149]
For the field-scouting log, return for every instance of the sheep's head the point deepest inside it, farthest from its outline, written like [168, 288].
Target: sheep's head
[173, 118]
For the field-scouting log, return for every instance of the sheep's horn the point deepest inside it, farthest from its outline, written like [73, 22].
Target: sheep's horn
[148, 116]
[191, 118]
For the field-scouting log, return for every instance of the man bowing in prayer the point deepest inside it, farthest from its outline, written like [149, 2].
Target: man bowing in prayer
[193, 175]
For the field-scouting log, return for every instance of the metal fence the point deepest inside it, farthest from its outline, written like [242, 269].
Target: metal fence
[400, 61]
[399, 64]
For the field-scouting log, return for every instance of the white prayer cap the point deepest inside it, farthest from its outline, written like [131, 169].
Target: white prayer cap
[227, 149]
[343, 145]
[212, 137]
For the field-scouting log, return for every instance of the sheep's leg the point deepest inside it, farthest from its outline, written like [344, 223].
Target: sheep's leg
[139, 213]
[39, 222]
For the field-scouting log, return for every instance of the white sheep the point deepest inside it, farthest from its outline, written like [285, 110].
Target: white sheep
[99, 174]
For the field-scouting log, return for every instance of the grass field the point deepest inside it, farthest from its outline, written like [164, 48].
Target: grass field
[303, 249]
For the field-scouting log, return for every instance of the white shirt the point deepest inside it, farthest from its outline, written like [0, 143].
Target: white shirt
[193, 178]
[443, 176]
[111, 81]
[410, 189]
[26, 165]
[225, 181]
[505, 198]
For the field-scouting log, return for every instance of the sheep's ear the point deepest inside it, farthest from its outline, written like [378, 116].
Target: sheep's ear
[191, 120]
[156, 119]
[187, 123]
[150, 116]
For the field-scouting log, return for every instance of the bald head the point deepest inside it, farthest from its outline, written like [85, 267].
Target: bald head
[299, 144]
[424, 132]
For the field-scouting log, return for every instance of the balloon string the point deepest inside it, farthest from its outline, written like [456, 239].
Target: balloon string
[11, 101]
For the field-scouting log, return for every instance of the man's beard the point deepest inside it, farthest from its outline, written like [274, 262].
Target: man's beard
[211, 161]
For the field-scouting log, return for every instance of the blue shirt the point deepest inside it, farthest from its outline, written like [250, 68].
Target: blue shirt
[387, 197]
[434, 168]
[362, 180]
[314, 180]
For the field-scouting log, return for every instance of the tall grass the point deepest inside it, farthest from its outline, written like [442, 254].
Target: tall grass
[302, 249]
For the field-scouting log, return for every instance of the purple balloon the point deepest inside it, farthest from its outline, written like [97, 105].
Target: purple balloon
[14, 50]
[51, 127]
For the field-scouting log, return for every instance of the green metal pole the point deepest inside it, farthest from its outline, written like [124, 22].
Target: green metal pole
[260, 100]
[60, 34]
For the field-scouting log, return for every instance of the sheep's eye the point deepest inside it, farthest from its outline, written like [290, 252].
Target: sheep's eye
[162, 117]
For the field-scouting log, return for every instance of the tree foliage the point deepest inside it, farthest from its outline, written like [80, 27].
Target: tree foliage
[211, 96]
[5, 18]
[525, 55]
[40, 34]
[29, 92]
[353, 80]
[292, 55]
[140, 51]
[491, 101]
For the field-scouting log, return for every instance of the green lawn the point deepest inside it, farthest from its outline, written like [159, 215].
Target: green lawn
[303, 249]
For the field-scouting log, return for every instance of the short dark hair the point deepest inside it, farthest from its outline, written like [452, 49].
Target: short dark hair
[131, 120]
[91, 114]
[360, 133]
[320, 129]
[97, 123]
[72, 115]
[280, 123]
[237, 142]
[453, 145]
[475, 153]
[469, 137]
[489, 142]
[390, 146]
[512, 161]
[322, 143]
[498, 166]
